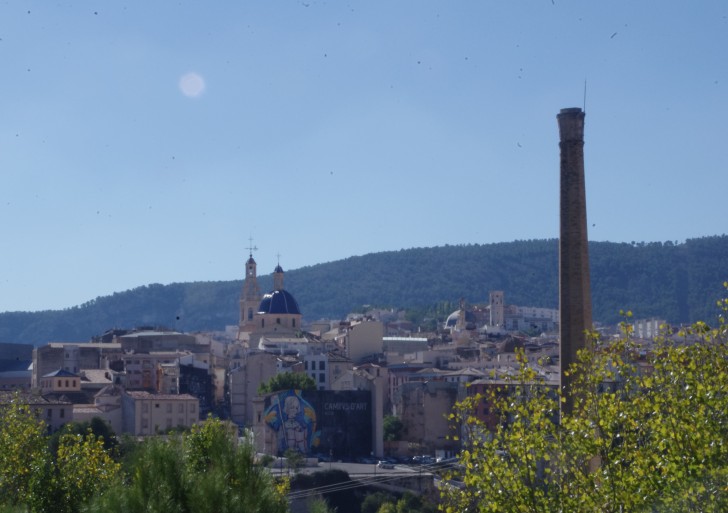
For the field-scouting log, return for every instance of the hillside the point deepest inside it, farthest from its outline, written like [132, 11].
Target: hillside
[677, 282]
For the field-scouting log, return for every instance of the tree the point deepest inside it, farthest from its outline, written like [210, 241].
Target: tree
[23, 450]
[374, 501]
[644, 435]
[41, 477]
[204, 470]
[392, 428]
[287, 381]
[100, 428]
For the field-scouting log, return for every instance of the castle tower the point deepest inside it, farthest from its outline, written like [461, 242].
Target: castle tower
[574, 288]
[250, 295]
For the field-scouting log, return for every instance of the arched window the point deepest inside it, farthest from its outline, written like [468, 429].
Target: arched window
[278, 320]
[250, 314]
[293, 322]
[262, 323]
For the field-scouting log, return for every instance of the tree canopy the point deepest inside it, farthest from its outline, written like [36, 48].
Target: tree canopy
[287, 381]
[647, 432]
[204, 470]
[43, 477]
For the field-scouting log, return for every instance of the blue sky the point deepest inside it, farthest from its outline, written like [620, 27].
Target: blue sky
[146, 142]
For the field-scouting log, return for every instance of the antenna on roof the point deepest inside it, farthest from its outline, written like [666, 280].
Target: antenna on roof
[584, 96]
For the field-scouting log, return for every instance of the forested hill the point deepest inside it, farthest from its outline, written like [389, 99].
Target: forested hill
[676, 282]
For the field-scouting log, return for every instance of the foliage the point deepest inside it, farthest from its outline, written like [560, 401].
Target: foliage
[643, 435]
[83, 468]
[345, 499]
[206, 469]
[294, 459]
[97, 426]
[287, 381]
[23, 450]
[38, 476]
[392, 428]
[408, 503]
[374, 501]
[319, 505]
[653, 279]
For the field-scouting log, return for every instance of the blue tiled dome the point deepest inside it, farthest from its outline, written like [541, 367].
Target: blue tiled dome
[279, 302]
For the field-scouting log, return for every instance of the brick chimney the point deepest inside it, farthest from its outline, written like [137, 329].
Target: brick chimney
[574, 288]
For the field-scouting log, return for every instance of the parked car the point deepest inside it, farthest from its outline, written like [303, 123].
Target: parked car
[385, 464]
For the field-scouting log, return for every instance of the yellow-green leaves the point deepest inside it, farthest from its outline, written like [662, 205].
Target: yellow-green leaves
[647, 433]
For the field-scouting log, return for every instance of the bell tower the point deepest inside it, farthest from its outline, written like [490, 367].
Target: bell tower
[250, 295]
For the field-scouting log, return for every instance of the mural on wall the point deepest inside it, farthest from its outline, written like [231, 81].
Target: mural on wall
[336, 424]
[294, 420]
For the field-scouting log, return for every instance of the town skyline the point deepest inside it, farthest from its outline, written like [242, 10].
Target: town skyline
[143, 143]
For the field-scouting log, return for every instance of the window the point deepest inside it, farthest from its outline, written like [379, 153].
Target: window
[156, 405]
[66, 383]
[262, 323]
[322, 378]
[63, 413]
[49, 413]
[278, 320]
[250, 314]
[322, 365]
[313, 365]
[169, 409]
[181, 408]
[293, 322]
[145, 408]
[192, 408]
[305, 365]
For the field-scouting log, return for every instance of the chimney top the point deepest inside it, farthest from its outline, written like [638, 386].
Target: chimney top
[570, 110]
[571, 124]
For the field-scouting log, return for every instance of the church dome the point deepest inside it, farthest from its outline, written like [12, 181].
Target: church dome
[279, 302]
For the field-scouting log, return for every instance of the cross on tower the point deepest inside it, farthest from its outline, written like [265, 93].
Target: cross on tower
[251, 248]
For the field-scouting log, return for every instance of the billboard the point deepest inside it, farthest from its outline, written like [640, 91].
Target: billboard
[321, 422]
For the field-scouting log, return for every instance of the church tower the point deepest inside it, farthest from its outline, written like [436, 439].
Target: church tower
[250, 295]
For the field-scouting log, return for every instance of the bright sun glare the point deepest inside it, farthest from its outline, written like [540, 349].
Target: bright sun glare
[191, 84]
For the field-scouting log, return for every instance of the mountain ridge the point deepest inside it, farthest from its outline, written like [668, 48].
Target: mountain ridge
[675, 282]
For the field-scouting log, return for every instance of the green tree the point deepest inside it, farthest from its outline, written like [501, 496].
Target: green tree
[392, 428]
[287, 381]
[23, 451]
[644, 435]
[40, 477]
[205, 470]
[374, 501]
[319, 505]
[97, 426]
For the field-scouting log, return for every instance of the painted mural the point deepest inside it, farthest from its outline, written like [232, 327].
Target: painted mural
[334, 424]
[294, 420]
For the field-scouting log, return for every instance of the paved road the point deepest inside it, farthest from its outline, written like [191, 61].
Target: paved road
[353, 469]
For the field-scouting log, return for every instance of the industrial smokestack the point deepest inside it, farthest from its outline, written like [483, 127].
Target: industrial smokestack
[574, 287]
